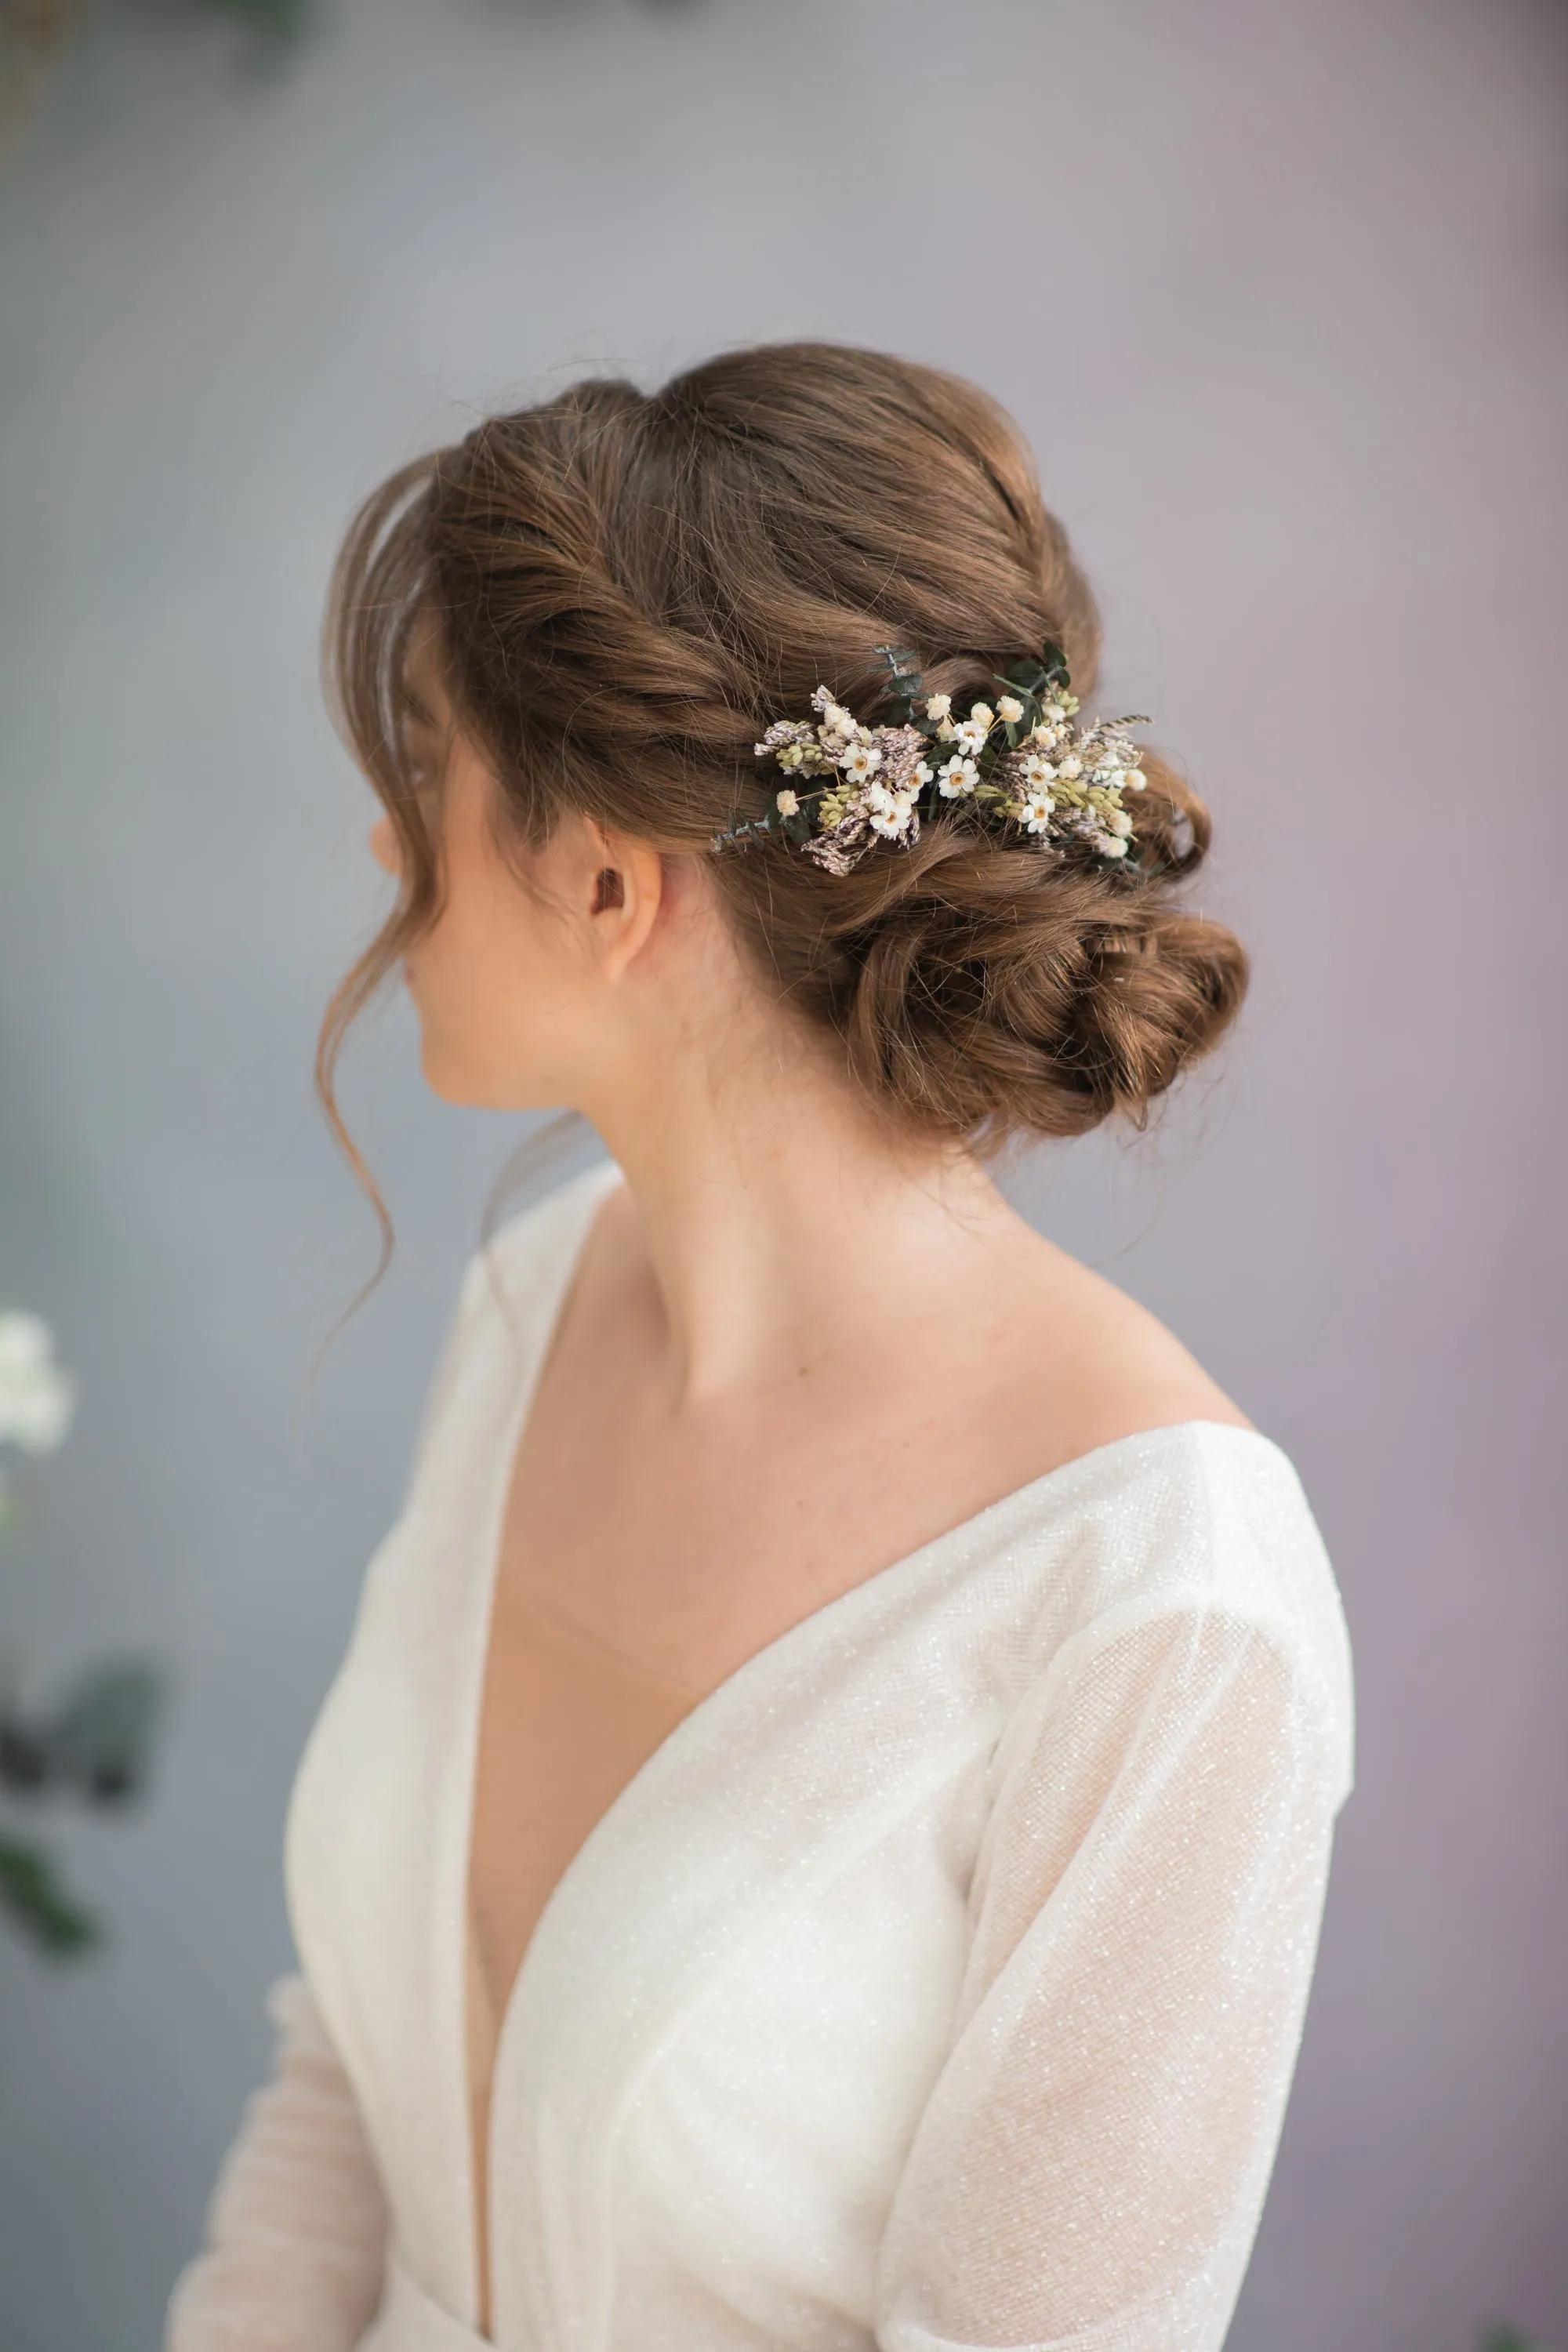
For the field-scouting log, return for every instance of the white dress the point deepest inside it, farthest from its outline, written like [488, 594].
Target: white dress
[937, 1982]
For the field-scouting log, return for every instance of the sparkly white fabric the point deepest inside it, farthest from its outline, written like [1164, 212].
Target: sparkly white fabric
[937, 1983]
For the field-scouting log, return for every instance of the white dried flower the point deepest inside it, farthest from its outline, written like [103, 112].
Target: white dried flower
[1009, 708]
[37, 1398]
[888, 813]
[957, 778]
[938, 704]
[945, 729]
[972, 732]
[1036, 811]
[982, 715]
[1110, 844]
[1071, 768]
[1135, 780]
[1039, 771]
[921, 773]
[788, 802]
[1117, 821]
[860, 762]
[783, 730]
[835, 718]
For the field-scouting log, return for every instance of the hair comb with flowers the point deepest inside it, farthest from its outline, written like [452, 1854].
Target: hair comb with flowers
[1024, 768]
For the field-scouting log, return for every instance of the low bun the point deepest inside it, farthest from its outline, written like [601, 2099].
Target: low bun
[630, 589]
[984, 990]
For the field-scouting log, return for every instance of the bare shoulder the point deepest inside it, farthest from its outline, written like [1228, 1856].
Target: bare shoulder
[1108, 1367]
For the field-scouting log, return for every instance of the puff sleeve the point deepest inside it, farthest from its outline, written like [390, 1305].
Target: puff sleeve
[1088, 2172]
[295, 2230]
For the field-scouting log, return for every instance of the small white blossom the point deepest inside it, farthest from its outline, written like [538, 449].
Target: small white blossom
[888, 813]
[1039, 771]
[921, 773]
[1110, 844]
[1071, 768]
[1135, 780]
[860, 763]
[938, 704]
[972, 733]
[1117, 821]
[835, 718]
[788, 802]
[1046, 735]
[1010, 709]
[37, 1397]
[982, 715]
[1038, 811]
[958, 777]
[945, 729]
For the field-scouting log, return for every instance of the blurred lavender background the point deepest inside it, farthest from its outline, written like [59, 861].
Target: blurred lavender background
[1276, 287]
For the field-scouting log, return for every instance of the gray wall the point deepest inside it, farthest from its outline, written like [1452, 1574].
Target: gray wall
[1277, 290]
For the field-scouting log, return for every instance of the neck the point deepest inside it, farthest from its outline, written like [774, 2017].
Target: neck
[780, 1221]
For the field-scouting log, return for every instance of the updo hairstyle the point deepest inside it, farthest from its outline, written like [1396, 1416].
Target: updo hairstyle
[627, 587]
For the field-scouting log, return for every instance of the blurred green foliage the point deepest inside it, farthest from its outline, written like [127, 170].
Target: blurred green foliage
[38, 1905]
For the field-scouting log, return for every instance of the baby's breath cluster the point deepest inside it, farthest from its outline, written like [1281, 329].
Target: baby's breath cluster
[1022, 765]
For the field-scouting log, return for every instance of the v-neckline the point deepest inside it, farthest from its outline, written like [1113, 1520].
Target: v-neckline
[597, 1184]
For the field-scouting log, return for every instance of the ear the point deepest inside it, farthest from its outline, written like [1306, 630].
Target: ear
[624, 895]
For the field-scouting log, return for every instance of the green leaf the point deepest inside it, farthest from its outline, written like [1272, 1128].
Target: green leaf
[38, 1905]
[907, 685]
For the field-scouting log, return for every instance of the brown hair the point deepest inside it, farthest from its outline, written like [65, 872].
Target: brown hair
[628, 587]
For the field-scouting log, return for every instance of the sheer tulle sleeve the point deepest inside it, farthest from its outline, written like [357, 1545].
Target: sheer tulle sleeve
[297, 2226]
[1090, 2168]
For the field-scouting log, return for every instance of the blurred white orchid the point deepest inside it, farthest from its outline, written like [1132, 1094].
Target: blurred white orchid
[37, 1397]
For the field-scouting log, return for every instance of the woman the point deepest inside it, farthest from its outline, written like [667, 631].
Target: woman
[819, 1837]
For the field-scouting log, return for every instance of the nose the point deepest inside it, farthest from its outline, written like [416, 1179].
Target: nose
[383, 838]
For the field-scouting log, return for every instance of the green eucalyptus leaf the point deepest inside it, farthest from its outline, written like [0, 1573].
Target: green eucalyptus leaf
[38, 1905]
[906, 684]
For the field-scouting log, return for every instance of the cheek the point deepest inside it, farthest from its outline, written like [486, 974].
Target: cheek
[489, 994]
